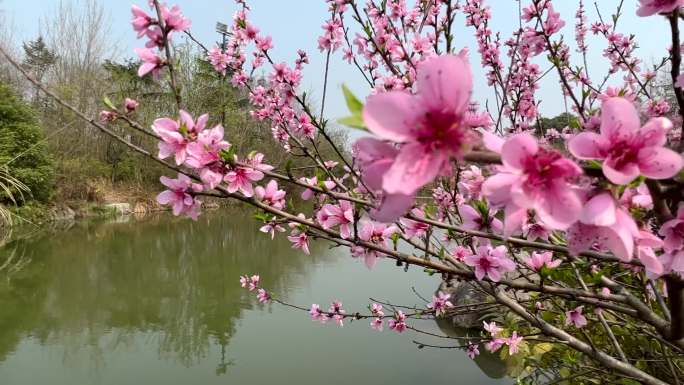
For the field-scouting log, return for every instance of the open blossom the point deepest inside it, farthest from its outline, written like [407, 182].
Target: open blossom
[376, 309]
[341, 214]
[495, 344]
[241, 179]
[472, 351]
[250, 283]
[337, 312]
[375, 158]
[533, 177]
[626, 148]
[474, 220]
[604, 224]
[313, 182]
[415, 229]
[177, 134]
[429, 124]
[492, 328]
[179, 197]
[673, 244]
[271, 228]
[219, 60]
[174, 19]
[651, 7]
[317, 314]
[398, 323]
[673, 231]
[141, 20]
[470, 184]
[271, 195]
[460, 253]
[376, 324]
[151, 62]
[575, 317]
[440, 303]
[263, 296]
[673, 261]
[376, 233]
[513, 341]
[538, 260]
[490, 262]
[300, 241]
[204, 155]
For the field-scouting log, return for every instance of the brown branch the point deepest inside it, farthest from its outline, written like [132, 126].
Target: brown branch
[605, 359]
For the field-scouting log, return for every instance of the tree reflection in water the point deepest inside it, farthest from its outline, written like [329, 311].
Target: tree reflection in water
[102, 285]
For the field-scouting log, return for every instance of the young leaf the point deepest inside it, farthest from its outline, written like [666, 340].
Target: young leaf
[355, 121]
[108, 103]
[353, 103]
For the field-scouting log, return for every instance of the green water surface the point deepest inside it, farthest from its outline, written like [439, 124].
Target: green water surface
[157, 301]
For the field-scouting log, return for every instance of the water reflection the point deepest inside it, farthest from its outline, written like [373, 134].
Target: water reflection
[161, 294]
[173, 277]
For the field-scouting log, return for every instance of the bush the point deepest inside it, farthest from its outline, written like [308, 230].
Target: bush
[23, 150]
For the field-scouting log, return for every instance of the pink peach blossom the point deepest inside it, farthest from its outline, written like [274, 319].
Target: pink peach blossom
[141, 20]
[537, 261]
[151, 62]
[179, 197]
[300, 241]
[490, 262]
[440, 303]
[472, 351]
[535, 178]
[375, 158]
[575, 317]
[606, 225]
[263, 296]
[271, 195]
[626, 148]
[398, 323]
[651, 7]
[341, 215]
[429, 124]
[513, 341]
[177, 134]
[241, 179]
[673, 231]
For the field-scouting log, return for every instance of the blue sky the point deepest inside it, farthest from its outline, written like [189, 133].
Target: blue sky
[295, 24]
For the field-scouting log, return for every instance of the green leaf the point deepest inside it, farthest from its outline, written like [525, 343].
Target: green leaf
[542, 348]
[108, 103]
[355, 121]
[355, 106]
[594, 164]
[353, 103]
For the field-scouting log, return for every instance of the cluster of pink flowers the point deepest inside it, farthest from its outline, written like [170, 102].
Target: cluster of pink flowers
[204, 150]
[497, 340]
[158, 34]
[219, 60]
[398, 323]
[587, 185]
[335, 313]
[440, 303]
[180, 195]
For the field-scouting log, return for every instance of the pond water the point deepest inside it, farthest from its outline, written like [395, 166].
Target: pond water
[157, 301]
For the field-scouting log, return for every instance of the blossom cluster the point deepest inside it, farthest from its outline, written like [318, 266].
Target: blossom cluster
[491, 197]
